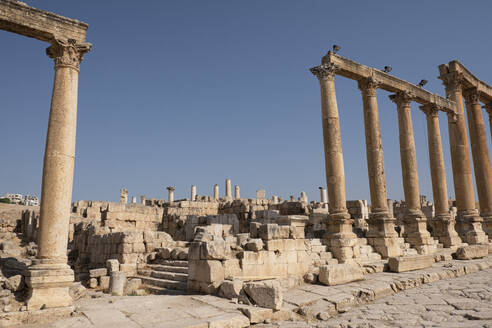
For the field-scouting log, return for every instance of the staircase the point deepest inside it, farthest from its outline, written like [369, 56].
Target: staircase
[166, 275]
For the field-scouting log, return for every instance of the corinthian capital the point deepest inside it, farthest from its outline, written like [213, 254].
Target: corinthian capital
[472, 96]
[430, 110]
[452, 81]
[67, 53]
[368, 86]
[402, 98]
[488, 108]
[325, 71]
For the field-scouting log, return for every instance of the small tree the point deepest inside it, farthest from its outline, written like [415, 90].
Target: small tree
[5, 200]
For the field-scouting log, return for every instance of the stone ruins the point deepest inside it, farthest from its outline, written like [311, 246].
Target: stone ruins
[247, 249]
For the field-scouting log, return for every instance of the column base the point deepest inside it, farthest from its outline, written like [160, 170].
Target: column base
[469, 227]
[340, 238]
[416, 234]
[382, 235]
[487, 224]
[443, 229]
[49, 286]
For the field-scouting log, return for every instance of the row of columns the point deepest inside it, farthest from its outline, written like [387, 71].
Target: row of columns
[382, 234]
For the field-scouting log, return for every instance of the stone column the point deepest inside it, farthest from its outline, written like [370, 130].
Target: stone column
[340, 237]
[303, 197]
[237, 194]
[275, 199]
[443, 223]
[381, 234]
[170, 197]
[134, 200]
[49, 276]
[323, 195]
[216, 192]
[415, 232]
[481, 159]
[124, 195]
[143, 200]
[488, 108]
[193, 193]
[468, 222]
[228, 189]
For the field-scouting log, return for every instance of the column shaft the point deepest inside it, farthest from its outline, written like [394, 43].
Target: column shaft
[480, 154]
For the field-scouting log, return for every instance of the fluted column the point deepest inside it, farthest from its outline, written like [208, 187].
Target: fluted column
[468, 222]
[442, 223]
[341, 239]
[193, 193]
[381, 234]
[49, 277]
[415, 231]
[481, 159]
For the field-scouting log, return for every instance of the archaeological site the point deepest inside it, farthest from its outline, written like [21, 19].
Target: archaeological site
[216, 259]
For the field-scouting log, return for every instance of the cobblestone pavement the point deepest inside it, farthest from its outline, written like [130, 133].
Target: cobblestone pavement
[460, 302]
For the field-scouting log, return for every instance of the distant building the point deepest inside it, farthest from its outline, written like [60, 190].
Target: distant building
[31, 200]
[14, 198]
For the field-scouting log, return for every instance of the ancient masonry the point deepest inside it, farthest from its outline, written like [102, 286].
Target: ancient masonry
[246, 248]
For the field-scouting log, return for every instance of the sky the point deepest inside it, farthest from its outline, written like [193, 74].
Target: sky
[176, 93]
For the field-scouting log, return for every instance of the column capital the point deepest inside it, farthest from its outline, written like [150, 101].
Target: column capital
[402, 98]
[368, 86]
[324, 71]
[452, 81]
[452, 116]
[472, 96]
[67, 53]
[430, 109]
[171, 188]
[488, 108]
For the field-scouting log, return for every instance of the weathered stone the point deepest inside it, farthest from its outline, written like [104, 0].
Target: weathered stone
[409, 263]
[15, 283]
[254, 245]
[104, 282]
[93, 283]
[257, 315]
[96, 273]
[339, 274]
[214, 250]
[266, 293]
[133, 285]
[472, 252]
[77, 291]
[112, 265]
[117, 283]
[230, 288]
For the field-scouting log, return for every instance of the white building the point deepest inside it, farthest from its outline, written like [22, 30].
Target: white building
[31, 200]
[14, 198]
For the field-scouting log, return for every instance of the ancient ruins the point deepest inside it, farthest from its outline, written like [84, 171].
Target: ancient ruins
[249, 250]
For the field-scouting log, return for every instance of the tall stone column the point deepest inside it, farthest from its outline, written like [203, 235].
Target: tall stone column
[143, 200]
[216, 192]
[481, 159]
[488, 108]
[415, 231]
[237, 194]
[442, 223]
[49, 276]
[170, 197]
[193, 193]
[381, 234]
[323, 195]
[340, 237]
[228, 189]
[134, 200]
[468, 222]
[124, 195]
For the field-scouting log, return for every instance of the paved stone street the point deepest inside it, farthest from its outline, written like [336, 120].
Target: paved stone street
[461, 302]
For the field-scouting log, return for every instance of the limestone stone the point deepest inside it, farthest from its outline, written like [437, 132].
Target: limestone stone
[93, 283]
[117, 283]
[112, 265]
[77, 291]
[133, 285]
[257, 315]
[409, 263]
[214, 250]
[472, 252]
[15, 283]
[266, 293]
[104, 282]
[331, 275]
[95, 273]
[206, 271]
[254, 245]
[230, 288]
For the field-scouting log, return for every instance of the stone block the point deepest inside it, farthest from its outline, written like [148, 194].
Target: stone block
[214, 250]
[14, 283]
[269, 231]
[125, 248]
[267, 293]
[254, 245]
[139, 247]
[95, 273]
[254, 228]
[132, 237]
[409, 263]
[230, 288]
[117, 283]
[257, 315]
[472, 252]
[340, 274]
[104, 282]
[112, 265]
[231, 268]
[77, 291]
[132, 285]
[206, 271]
[129, 268]
[275, 245]
[242, 238]
[93, 283]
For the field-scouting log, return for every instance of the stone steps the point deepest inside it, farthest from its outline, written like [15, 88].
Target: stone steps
[151, 282]
[170, 276]
[168, 268]
[176, 263]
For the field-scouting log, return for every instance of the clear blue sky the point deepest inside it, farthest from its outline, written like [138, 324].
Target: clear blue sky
[193, 92]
